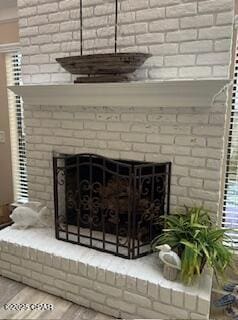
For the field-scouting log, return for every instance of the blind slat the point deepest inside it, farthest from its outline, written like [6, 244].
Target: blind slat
[17, 127]
[230, 203]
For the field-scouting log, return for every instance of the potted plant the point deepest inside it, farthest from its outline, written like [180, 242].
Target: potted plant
[197, 242]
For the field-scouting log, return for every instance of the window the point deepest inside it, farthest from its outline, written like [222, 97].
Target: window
[16, 117]
[230, 205]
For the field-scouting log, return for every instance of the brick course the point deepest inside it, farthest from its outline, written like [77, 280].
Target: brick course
[190, 138]
[189, 39]
[167, 28]
[129, 288]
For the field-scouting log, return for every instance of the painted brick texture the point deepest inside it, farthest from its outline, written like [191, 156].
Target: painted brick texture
[191, 138]
[189, 39]
[127, 289]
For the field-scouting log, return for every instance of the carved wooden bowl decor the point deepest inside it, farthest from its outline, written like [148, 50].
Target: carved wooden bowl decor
[107, 67]
[103, 67]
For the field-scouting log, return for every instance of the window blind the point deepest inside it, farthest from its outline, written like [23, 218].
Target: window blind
[230, 204]
[16, 117]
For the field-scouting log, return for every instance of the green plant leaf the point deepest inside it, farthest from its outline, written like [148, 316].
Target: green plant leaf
[197, 225]
[189, 244]
[191, 234]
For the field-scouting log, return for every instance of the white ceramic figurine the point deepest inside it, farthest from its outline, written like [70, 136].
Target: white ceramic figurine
[31, 214]
[171, 262]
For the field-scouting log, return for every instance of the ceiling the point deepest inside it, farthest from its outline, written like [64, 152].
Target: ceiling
[5, 4]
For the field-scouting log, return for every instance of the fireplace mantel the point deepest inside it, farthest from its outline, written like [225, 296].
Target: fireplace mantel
[178, 93]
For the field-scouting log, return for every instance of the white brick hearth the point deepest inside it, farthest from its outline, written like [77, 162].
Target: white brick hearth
[103, 282]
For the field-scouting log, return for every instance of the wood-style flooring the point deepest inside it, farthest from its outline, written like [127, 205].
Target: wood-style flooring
[12, 292]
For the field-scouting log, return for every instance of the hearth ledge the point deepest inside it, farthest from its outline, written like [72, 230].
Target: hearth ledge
[178, 93]
[103, 282]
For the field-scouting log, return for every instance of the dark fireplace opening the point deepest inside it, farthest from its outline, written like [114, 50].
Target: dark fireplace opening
[110, 205]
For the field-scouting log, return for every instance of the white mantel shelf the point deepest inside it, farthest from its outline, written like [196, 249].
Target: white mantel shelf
[179, 93]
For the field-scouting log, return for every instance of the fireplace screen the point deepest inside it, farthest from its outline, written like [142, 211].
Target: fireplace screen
[109, 205]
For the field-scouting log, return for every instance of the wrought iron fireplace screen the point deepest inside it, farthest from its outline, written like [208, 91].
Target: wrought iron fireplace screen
[109, 205]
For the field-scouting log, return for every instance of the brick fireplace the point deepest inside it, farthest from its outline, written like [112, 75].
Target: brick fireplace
[191, 138]
[189, 40]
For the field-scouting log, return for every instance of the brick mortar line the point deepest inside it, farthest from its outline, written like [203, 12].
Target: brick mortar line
[94, 282]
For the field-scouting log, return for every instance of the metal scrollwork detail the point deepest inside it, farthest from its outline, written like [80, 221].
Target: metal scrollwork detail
[160, 183]
[71, 202]
[145, 186]
[60, 176]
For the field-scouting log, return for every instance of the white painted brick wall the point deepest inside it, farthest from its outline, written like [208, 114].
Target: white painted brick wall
[184, 33]
[192, 139]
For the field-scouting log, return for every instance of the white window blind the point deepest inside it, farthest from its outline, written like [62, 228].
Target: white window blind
[16, 117]
[230, 205]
